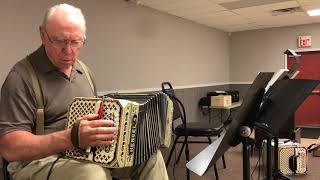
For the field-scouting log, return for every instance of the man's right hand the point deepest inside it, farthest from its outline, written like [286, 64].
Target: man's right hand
[96, 132]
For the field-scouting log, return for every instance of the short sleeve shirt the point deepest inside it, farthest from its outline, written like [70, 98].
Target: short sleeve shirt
[18, 100]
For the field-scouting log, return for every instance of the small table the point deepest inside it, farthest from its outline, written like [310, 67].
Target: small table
[222, 108]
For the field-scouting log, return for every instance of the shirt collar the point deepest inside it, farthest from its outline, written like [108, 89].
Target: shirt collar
[45, 65]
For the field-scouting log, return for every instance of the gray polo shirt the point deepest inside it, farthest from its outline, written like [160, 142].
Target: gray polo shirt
[18, 100]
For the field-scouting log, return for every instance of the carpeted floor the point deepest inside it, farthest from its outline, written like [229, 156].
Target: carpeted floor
[234, 165]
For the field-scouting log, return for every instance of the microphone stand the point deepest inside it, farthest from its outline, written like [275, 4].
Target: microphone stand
[277, 174]
[272, 173]
[245, 132]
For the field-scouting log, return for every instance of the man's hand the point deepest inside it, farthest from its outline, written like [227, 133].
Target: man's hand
[93, 132]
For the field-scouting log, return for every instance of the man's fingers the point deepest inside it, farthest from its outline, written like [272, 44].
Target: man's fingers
[103, 137]
[100, 123]
[104, 130]
[104, 143]
[97, 132]
[90, 117]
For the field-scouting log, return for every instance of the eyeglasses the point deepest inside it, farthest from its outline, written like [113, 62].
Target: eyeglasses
[65, 42]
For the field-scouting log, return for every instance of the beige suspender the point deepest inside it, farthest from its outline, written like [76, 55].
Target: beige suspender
[86, 72]
[39, 98]
[38, 93]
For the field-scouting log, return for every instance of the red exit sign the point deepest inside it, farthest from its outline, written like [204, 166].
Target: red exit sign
[304, 41]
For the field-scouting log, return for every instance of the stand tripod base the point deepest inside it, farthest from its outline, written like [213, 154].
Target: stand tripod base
[278, 175]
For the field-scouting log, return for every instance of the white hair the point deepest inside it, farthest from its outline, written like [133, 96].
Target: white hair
[71, 12]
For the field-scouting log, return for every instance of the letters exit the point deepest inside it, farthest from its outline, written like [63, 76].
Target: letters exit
[304, 41]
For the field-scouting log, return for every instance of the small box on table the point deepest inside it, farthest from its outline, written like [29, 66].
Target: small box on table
[221, 100]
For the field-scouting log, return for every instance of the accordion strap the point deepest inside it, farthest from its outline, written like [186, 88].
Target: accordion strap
[39, 97]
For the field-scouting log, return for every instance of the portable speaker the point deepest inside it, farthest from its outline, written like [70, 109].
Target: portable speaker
[293, 160]
[292, 157]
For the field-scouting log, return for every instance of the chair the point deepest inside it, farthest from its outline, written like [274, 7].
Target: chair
[5, 172]
[188, 129]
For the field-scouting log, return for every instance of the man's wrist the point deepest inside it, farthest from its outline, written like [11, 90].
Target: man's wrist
[75, 135]
[68, 141]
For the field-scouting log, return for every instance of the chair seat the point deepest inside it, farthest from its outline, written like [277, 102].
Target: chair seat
[198, 129]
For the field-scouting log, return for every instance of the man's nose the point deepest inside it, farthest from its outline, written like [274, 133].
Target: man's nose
[67, 47]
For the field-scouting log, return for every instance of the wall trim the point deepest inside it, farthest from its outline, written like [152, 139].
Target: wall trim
[176, 87]
[307, 50]
[242, 82]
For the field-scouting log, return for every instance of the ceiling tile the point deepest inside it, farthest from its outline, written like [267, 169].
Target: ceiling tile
[249, 3]
[249, 14]
[308, 2]
[265, 8]
[221, 14]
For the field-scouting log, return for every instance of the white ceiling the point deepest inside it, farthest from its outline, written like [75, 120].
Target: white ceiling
[238, 15]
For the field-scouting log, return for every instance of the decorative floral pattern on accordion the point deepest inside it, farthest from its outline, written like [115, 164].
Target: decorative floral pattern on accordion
[140, 131]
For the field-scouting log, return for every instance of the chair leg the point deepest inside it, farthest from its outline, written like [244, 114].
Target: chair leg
[5, 172]
[224, 162]
[184, 143]
[216, 172]
[209, 140]
[171, 151]
[214, 166]
[252, 144]
[187, 155]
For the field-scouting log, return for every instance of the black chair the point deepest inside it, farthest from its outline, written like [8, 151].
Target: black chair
[188, 129]
[5, 172]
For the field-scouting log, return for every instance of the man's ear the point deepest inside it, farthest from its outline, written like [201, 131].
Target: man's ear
[42, 34]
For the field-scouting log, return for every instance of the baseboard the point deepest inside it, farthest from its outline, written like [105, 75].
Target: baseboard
[310, 132]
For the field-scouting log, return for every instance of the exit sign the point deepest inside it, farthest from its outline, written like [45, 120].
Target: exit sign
[304, 41]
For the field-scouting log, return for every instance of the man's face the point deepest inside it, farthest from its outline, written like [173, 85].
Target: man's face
[62, 40]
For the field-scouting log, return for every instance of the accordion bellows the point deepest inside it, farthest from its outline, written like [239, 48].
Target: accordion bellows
[144, 124]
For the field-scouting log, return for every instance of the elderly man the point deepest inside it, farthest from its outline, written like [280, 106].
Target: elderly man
[61, 78]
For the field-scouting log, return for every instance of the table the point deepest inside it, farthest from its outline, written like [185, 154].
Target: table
[222, 108]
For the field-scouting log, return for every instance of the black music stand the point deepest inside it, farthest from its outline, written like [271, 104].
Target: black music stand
[281, 100]
[279, 103]
[245, 115]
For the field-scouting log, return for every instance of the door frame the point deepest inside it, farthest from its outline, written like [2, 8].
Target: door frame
[300, 50]
[297, 51]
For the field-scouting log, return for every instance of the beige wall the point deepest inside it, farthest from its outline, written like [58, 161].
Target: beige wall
[262, 50]
[129, 47]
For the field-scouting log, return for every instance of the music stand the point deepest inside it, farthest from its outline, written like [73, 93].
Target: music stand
[254, 105]
[279, 103]
[245, 115]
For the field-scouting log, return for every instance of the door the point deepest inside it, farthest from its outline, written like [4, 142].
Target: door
[308, 114]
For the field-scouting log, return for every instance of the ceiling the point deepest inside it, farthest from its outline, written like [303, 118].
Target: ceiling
[238, 15]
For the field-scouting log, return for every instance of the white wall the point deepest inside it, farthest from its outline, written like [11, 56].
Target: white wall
[262, 50]
[128, 46]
